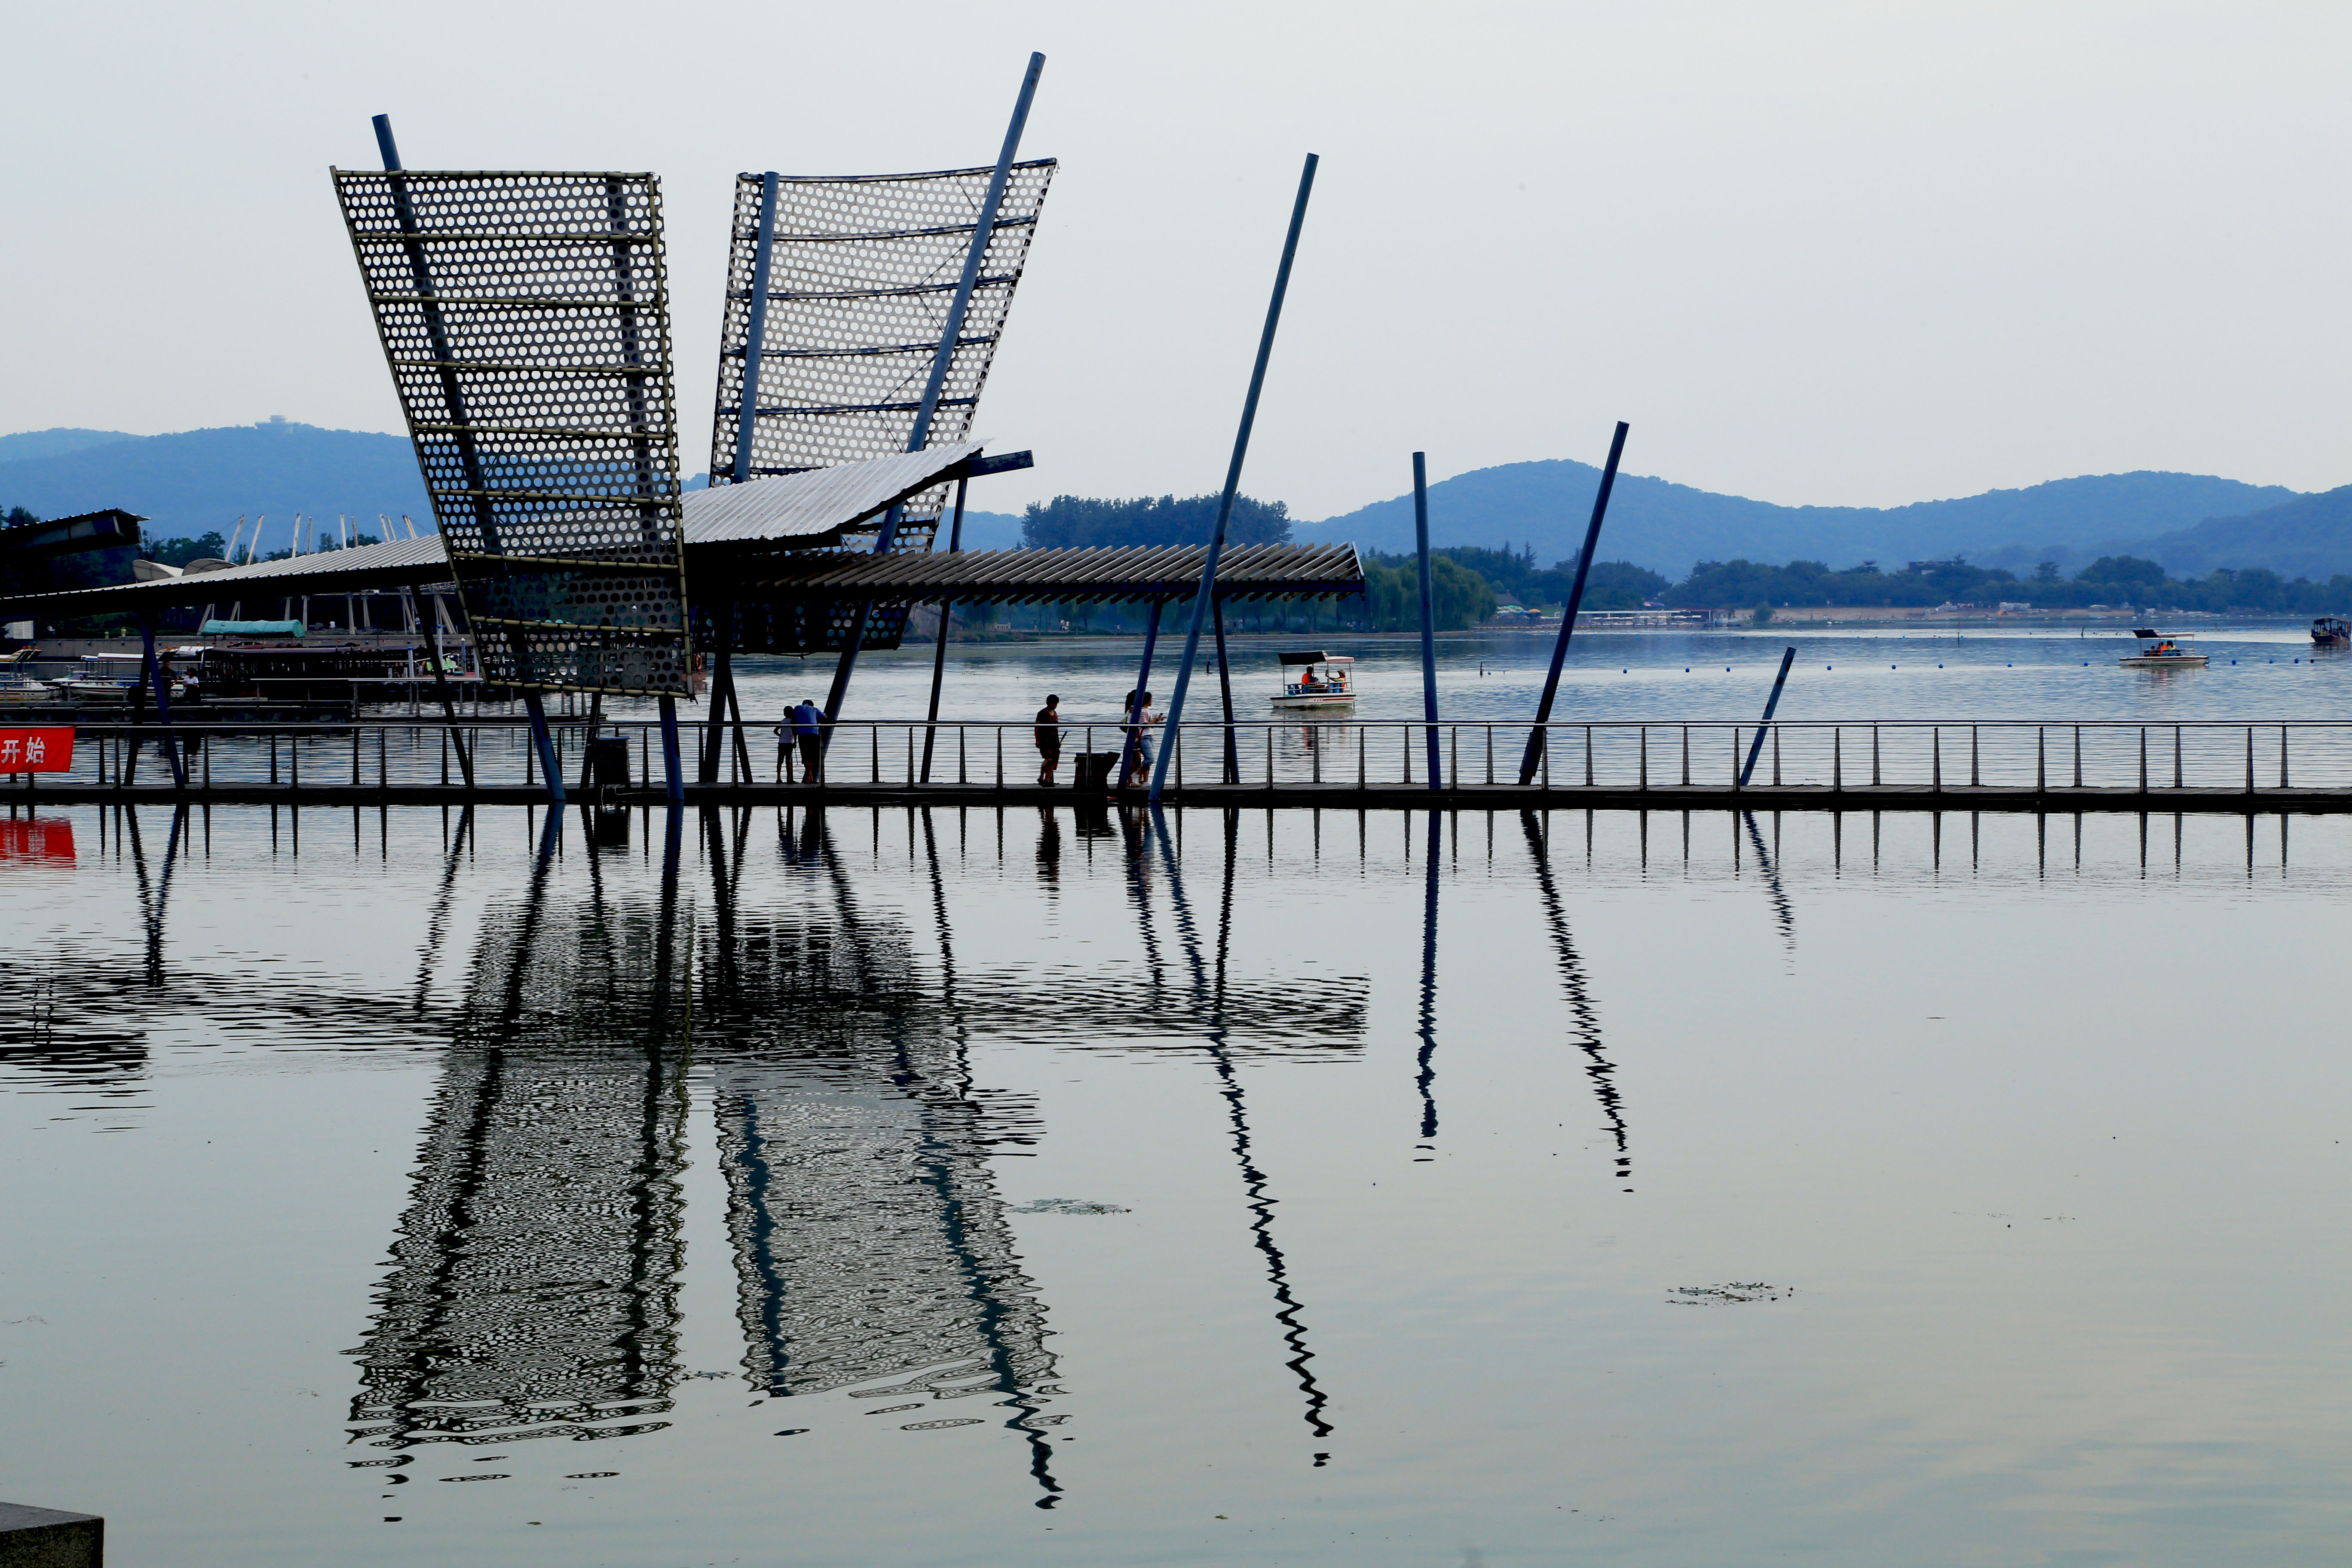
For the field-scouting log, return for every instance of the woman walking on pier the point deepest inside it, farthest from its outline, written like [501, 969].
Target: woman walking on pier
[1049, 739]
[1140, 719]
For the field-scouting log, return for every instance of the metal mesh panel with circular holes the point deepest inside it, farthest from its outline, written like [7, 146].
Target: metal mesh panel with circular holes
[861, 272]
[525, 317]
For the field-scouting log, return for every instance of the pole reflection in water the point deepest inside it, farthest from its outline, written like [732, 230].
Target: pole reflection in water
[1427, 1077]
[1210, 1001]
[1586, 1026]
[153, 900]
[533, 1292]
[872, 1253]
[1783, 911]
[436, 923]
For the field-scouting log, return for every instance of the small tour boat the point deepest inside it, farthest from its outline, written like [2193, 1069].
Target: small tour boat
[1316, 680]
[104, 678]
[2331, 631]
[2158, 651]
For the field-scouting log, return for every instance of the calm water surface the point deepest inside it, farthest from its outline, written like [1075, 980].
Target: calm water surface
[957, 1187]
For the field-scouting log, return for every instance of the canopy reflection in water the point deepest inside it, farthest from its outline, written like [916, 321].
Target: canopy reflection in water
[534, 1283]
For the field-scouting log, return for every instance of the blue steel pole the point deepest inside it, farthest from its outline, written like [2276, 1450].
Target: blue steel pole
[942, 358]
[1428, 615]
[1136, 705]
[755, 334]
[1205, 600]
[1534, 756]
[163, 701]
[545, 742]
[673, 771]
[1770, 702]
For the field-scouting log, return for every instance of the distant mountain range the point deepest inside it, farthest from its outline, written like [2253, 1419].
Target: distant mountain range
[196, 480]
[1668, 527]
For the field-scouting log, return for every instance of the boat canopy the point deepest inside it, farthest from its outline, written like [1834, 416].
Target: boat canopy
[1315, 659]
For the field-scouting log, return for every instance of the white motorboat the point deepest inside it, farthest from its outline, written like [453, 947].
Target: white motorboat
[1316, 680]
[2159, 651]
[104, 679]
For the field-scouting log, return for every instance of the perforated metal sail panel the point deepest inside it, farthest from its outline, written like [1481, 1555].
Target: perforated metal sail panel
[862, 273]
[525, 317]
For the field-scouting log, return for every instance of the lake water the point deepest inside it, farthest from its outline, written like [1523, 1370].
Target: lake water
[973, 1187]
[2261, 671]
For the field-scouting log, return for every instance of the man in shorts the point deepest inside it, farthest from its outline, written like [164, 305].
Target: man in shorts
[1049, 739]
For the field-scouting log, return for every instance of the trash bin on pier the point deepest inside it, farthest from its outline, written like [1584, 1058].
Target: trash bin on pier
[608, 763]
[1095, 770]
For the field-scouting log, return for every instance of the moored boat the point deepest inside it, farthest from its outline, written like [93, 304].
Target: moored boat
[1316, 680]
[103, 679]
[2331, 631]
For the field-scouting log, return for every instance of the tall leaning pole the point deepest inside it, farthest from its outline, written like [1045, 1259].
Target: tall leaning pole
[1534, 757]
[942, 358]
[1205, 598]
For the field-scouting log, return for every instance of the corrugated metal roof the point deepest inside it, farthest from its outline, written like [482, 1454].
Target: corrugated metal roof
[1022, 577]
[820, 501]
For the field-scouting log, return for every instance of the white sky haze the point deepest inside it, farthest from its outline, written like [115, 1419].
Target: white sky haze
[1862, 254]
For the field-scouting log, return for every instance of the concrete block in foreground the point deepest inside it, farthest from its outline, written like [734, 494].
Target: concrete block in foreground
[46, 1537]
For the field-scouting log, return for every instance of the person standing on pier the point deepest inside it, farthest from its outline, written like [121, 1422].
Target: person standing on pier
[1049, 738]
[786, 743]
[1140, 719]
[807, 721]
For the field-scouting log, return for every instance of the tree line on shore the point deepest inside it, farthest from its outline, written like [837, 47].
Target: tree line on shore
[1469, 583]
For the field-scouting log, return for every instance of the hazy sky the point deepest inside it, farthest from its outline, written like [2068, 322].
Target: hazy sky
[1861, 254]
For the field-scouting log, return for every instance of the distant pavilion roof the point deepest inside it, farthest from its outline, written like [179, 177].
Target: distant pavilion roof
[723, 526]
[1134, 575]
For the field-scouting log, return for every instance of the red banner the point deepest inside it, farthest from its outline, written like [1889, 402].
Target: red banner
[37, 751]
[35, 838]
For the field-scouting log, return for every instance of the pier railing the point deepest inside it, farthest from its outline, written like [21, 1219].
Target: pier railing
[1613, 757]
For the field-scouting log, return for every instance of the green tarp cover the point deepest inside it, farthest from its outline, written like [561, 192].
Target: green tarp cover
[251, 629]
